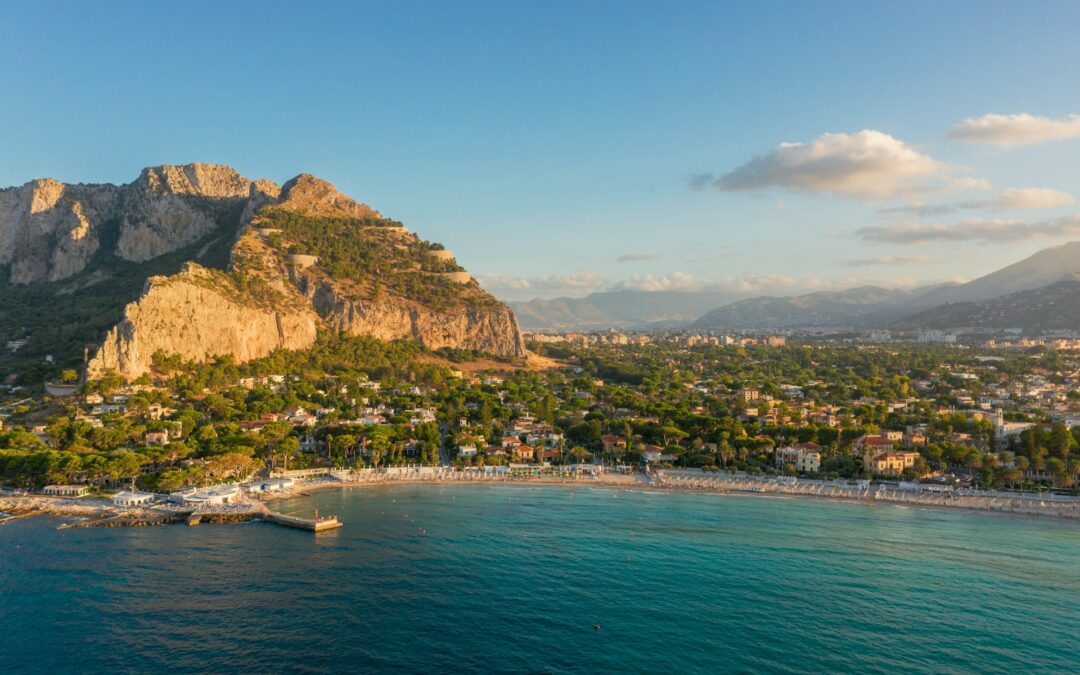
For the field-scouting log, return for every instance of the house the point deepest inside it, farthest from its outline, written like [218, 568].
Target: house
[652, 453]
[888, 463]
[805, 457]
[132, 499]
[613, 444]
[67, 490]
[157, 437]
[749, 395]
[877, 444]
[547, 454]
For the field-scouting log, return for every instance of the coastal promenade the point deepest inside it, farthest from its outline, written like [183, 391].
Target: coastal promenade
[912, 494]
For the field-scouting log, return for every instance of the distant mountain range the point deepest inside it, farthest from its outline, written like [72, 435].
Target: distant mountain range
[1055, 306]
[824, 309]
[619, 309]
[1033, 293]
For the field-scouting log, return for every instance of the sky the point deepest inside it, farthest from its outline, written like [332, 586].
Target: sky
[560, 148]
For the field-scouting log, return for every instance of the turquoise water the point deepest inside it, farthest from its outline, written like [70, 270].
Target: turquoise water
[484, 578]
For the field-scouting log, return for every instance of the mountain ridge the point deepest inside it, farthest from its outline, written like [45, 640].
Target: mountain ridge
[258, 267]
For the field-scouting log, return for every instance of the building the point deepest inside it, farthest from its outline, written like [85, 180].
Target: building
[131, 499]
[524, 453]
[211, 496]
[157, 437]
[805, 457]
[877, 444]
[270, 485]
[67, 490]
[888, 463]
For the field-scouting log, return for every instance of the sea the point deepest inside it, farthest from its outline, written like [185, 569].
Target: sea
[549, 579]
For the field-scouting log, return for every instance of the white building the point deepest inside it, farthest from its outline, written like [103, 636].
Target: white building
[211, 496]
[130, 499]
[67, 490]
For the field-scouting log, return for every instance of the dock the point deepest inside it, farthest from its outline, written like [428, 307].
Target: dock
[310, 524]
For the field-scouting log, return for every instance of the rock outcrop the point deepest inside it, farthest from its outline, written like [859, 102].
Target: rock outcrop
[51, 230]
[199, 314]
[169, 207]
[493, 331]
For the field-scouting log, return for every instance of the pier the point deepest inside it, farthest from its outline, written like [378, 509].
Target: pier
[315, 524]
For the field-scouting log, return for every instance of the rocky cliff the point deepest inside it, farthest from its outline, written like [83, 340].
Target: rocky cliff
[304, 258]
[490, 330]
[199, 314]
[51, 230]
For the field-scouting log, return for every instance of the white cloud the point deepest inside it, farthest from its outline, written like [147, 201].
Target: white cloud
[512, 287]
[889, 260]
[1034, 198]
[920, 209]
[868, 164]
[969, 183]
[1009, 199]
[974, 229]
[1014, 130]
[676, 281]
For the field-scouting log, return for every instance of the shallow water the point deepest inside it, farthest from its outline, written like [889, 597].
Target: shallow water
[456, 578]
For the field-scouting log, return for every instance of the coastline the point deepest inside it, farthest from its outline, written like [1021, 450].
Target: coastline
[96, 512]
[1013, 504]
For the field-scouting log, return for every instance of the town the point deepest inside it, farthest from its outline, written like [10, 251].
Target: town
[943, 415]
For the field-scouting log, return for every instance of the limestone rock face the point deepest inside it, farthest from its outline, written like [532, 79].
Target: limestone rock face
[49, 230]
[169, 207]
[494, 331]
[197, 315]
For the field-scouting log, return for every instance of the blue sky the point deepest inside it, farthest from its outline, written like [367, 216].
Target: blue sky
[555, 147]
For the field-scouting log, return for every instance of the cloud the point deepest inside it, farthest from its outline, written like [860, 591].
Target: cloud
[556, 284]
[637, 257]
[1010, 198]
[889, 260]
[1014, 130]
[676, 281]
[868, 164]
[974, 229]
[969, 183]
[1030, 198]
[920, 209]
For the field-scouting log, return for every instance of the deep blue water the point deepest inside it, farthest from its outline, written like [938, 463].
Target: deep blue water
[484, 578]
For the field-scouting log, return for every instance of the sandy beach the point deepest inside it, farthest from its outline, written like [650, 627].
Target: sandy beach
[101, 512]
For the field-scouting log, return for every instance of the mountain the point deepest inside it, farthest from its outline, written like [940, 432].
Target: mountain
[1055, 306]
[619, 309]
[872, 306]
[51, 231]
[1039, 269]
[823, 309]
[198, 261]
